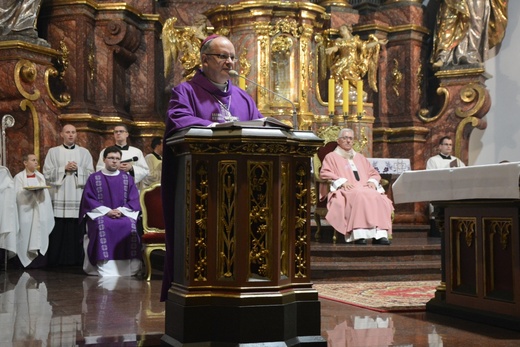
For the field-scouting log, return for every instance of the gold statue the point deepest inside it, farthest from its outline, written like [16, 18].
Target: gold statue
[350, 58]
[183, 44]
[466, 29]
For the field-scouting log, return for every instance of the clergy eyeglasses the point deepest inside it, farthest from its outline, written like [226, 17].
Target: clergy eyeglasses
[114, 158]
[224, 57]
[119, 131]
[344, 138]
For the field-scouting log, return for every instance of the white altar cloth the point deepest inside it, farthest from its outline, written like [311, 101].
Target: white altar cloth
[390, 165]
[496, 181]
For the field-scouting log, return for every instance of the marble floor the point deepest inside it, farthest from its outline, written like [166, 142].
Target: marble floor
[63, 307]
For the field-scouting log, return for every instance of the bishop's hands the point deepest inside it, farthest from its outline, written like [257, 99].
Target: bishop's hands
[349, 186]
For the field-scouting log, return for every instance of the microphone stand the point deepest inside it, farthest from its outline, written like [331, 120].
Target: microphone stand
[294, 113]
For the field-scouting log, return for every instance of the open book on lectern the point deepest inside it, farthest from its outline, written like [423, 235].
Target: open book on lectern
[255, 123]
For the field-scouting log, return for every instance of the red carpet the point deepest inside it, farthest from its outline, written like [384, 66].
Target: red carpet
[380, 296]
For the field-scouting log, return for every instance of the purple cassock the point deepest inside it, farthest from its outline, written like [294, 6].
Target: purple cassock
[197, 102]
[111, 238]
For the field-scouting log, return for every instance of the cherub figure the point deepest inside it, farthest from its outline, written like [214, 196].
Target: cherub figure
[183, 44]
[350, 58]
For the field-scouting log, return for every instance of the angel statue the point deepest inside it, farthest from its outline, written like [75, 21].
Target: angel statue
[183, 44]
[466, 30]
[350, 58]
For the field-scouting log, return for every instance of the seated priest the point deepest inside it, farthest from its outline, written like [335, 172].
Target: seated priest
[110, 207]
[357, 206]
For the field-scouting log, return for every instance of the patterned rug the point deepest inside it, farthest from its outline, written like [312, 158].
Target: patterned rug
[380, 296]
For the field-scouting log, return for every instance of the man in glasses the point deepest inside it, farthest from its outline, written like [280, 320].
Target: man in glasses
[110, 207]
[207, 99]
[356, 203]
[444, 159]
[132, 160]
[210, 97]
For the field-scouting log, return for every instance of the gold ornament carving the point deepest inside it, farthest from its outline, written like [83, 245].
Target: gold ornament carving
[466, 228]
[58, 74]
[187, 232]
[260, 176]
[201, 220]
[25, 71]
[420, 79]
[227, 174]
[91, 58]
[182, 44]
[502, 228]
[300, 242]
[245, 64]
[284, 230]
[397, 77]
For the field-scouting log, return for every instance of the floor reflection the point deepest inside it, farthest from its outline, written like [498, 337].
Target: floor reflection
[64, 307]
[362, 331]
[78, 310]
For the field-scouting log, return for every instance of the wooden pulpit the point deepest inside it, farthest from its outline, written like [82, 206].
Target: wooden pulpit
[242, 238]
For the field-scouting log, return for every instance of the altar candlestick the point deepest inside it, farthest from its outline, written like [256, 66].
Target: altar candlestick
[345, 97]
[359, 97]
[331, 95]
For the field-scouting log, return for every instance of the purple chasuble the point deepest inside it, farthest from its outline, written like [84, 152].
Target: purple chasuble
[111, 238]
[199, 102]
[194, 103]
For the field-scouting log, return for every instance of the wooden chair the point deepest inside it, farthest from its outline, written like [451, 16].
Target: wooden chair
[330, 136]
[153, 238]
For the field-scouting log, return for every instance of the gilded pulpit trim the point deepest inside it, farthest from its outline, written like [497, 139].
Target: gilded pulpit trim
[253, 148]
[201, 220]
[227, 219]
[300, 245]
[260, 222]
[188, 222]
[284, 231]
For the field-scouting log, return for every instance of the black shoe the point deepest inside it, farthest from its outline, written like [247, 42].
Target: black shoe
[360, 242]
[381, 241]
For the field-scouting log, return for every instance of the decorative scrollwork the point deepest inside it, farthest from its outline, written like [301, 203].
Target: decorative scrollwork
[25, 71]
[24, 104]
[468, 94]
[424, 114]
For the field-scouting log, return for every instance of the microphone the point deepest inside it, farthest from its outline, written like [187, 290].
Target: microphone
[130, 160]
[233, 73]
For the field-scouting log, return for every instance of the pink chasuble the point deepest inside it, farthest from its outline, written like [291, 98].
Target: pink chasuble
[359, 208]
